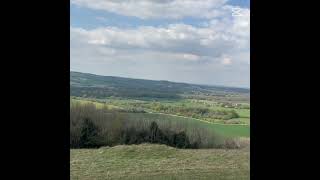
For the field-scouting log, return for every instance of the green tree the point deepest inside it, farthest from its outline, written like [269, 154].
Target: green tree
[89, 135]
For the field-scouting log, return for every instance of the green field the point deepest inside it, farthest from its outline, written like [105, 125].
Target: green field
[159, 162]
[227, 130]
[97, 104]
[210, 115]
[221, 129]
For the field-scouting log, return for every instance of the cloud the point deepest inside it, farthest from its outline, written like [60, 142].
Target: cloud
[226, 61]
[216, 52]
[155, 9]
[220, 37]
[177, 52]
[100, 18]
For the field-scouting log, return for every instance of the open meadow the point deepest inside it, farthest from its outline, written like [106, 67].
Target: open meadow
[159, 162]
[134, 129]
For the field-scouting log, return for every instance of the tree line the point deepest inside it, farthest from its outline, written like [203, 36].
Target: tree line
[195, 112]
[92, 128]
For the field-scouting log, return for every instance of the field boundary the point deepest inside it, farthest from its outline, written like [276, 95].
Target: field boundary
[196, 119]
[152, 112]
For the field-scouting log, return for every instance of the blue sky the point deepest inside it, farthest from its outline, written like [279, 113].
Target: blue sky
[205, 42]
[92, 18]
[88, 18]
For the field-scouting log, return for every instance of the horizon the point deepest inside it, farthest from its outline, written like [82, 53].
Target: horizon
[213, 85]
[196, 42]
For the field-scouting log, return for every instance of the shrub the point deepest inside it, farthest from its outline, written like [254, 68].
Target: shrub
[91, 128]
[181, 140]
[90, 137]
[155, 133]
[231, 143]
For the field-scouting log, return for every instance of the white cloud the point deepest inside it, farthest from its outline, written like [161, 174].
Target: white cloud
[146, 9]
[220, 37]
[218, 52]
[226, 61]
[177, 52]
[191, 57]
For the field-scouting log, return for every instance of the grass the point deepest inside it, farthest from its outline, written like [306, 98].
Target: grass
[97, 104]
[225, 130]
[117, 102]
[242, 120]
[159, 162]
[243, 113]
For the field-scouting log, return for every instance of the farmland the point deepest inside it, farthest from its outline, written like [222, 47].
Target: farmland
[230, 130]
[124, 128]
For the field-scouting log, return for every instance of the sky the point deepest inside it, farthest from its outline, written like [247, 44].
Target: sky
[193, 41]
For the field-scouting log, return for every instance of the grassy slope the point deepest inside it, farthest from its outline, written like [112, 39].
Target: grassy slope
[222, 129]
[159, 162]
[227, 130]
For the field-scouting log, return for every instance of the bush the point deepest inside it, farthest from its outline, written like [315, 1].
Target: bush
[91, 128]
[231, 144]
[155, 133]
[181, 140]
[90, 136]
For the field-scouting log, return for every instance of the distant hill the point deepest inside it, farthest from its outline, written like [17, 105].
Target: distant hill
[96, 86]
